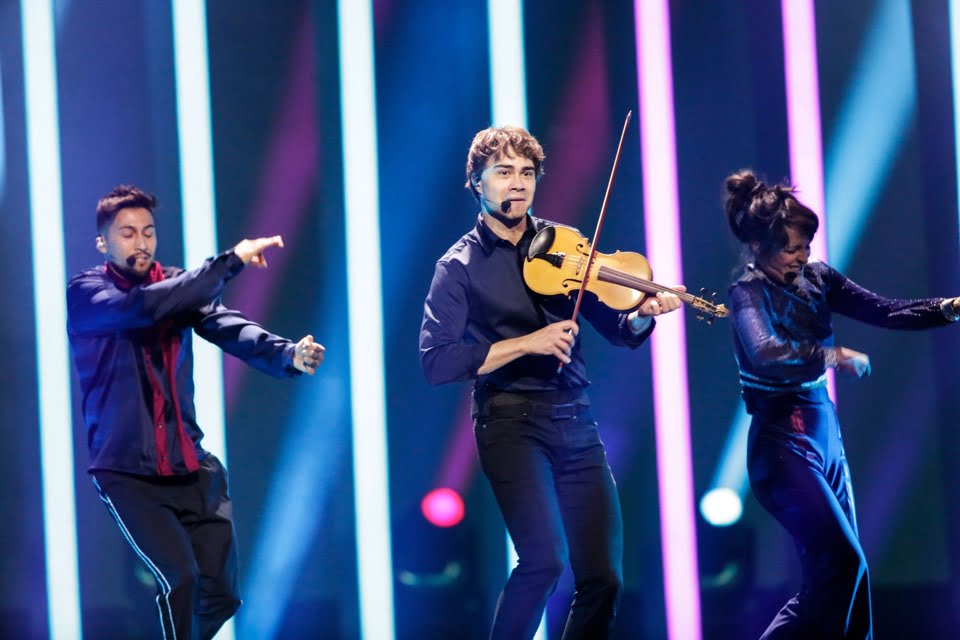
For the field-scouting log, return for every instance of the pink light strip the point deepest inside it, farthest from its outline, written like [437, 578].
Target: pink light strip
[803, 117]
[669, 351]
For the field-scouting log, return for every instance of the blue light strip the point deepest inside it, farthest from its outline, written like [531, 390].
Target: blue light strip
[508, 105]
[364, 306]
[874, 118]
[3, 143]
[955, 64]
[191, 65]
[50, 315]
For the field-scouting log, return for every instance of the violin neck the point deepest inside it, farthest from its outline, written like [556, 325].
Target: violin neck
[606, 274]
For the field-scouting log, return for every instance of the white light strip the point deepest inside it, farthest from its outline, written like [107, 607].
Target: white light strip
[508, 80]
[191, 64]
[508, 105]
[49, 283]
[364, 304]
[955, 63]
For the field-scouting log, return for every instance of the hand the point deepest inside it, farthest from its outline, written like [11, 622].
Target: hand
[956, 305]
[251, 251]
[553, 340]
[663, 302]
[852, 363]
[308, 355]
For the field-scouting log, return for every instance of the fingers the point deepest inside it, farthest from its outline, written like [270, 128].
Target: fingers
[265, 243]
[308, 355]
[567, 325]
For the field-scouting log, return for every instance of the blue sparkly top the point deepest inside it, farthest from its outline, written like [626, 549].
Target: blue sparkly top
[782, 333]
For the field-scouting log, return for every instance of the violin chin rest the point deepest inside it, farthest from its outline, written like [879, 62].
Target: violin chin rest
[541, 242]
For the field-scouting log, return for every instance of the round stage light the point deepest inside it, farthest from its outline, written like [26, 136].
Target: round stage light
[442, 507]
[721, 507]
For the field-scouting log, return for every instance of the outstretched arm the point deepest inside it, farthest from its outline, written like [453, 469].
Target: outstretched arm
[241, 337]
[848, 298]
[96, 304]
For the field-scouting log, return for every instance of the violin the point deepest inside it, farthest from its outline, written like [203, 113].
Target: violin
[556, 263]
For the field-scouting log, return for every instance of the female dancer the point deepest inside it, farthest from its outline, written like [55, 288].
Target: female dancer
[783, 337]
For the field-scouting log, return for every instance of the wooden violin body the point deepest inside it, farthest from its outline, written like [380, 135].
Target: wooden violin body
[556, 264]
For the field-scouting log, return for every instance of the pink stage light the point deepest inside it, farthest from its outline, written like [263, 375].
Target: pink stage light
[442, 507]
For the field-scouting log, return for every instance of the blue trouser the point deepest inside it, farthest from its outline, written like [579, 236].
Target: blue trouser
[798, 472]
[549, 474]
[182, 529]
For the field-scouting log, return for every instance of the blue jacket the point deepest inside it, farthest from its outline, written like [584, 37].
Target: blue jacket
[119, 332]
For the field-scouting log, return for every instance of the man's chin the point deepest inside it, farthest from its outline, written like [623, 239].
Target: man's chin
[137, 271]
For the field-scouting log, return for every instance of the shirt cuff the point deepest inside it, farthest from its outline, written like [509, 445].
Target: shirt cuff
[288, 354]
[641, 324]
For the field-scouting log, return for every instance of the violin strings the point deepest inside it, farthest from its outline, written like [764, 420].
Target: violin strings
[575, 263]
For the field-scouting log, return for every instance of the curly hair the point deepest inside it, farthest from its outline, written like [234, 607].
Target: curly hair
[494, 142]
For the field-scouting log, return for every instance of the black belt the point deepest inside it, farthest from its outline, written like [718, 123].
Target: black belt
[542, 409]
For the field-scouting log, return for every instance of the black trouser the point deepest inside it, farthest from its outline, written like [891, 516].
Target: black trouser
[182, 529]
[549, 473]
[798, 472]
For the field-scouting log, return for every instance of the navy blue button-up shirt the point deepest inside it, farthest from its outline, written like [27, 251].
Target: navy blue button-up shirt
[478, 297]
[109, 326]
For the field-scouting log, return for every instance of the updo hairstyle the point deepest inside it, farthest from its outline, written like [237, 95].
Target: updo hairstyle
[759, 214]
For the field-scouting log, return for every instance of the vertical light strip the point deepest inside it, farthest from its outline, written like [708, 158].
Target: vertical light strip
[508, 105]
[3, 143]
[668, 343]
[50, 314]
[191, 69]
[803, 118]
[364, 304]
[508, 80]
[803, 110]
[197, 194]
[955, 64]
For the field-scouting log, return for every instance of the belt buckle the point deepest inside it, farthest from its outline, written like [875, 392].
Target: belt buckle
[563, 411]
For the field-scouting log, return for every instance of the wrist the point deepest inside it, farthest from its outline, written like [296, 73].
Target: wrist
[831, 356]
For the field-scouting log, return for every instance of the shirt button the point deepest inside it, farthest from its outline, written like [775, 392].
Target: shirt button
[159, 426]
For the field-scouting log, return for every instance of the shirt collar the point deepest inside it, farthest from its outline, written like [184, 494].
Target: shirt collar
[488, 239]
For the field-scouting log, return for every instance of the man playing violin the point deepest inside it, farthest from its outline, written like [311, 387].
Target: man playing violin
[537, 440]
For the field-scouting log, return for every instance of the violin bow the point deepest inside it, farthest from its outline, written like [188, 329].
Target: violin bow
[596, 234]
[603, 213]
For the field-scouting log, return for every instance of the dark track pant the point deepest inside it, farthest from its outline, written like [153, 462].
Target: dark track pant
[182, 529]
[549, 473]
[798, 472]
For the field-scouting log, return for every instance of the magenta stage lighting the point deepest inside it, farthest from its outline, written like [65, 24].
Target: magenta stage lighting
[443, 507]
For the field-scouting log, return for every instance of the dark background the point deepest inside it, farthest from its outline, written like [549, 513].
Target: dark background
[277, 153]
